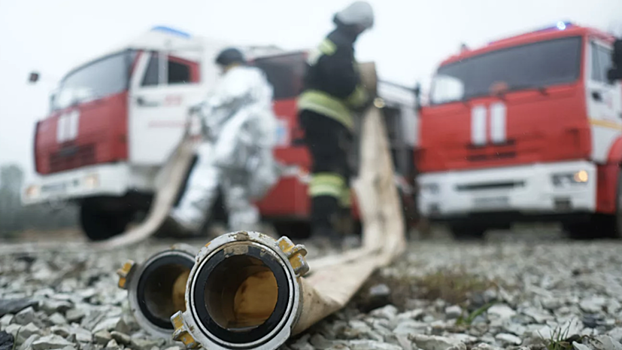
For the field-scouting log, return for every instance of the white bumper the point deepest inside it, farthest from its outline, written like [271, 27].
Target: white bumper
[97, 180]
[531, 189]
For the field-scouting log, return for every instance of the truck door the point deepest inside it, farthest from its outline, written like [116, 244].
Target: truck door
[163, 88]
[604, 107]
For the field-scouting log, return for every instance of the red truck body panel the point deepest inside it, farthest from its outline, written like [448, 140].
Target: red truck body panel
[540, 128]
[101, 137]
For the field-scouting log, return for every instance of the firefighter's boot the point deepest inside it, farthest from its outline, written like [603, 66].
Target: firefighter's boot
[324, 221]
[345, 222]
[327, 240]
[346, 228]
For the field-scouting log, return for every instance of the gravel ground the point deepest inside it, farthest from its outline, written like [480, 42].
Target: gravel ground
[533, 291]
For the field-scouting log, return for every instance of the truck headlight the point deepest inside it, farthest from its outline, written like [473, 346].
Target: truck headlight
[33, 191]
[156, 288]
[570, 179]
[91, 181]
[430, 188]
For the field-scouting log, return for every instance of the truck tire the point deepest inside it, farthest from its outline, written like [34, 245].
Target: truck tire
[468, 232]
[409, 212]
[600, 225]
[616, 229]
[100, 225]
[597, 227]
[580, 231]
[293, 229]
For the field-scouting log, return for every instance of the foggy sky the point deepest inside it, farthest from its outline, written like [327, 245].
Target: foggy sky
[408, 41]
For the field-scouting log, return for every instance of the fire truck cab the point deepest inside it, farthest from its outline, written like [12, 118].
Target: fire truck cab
[115, 120]
[527, 128]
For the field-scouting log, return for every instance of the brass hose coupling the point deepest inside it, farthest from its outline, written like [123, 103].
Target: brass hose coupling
[159, 284]
[242, 293]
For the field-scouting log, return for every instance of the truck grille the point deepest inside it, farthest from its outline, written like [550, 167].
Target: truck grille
[497, 151]
[490, 185]
[71, 157]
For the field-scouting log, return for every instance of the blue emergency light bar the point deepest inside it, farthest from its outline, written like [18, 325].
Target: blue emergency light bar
[170, 31]
[561, 25]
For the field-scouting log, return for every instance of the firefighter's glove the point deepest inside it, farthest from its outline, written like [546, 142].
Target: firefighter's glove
[372, 100]
[195, 108]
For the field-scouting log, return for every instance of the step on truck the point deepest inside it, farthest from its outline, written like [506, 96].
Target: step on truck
[115, 120]
[527, 128]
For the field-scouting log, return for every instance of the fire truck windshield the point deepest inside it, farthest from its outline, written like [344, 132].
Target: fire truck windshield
[536, 65]
[104, 77]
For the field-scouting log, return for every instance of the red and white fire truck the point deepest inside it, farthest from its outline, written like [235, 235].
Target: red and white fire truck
[526, 128]
[116, 119]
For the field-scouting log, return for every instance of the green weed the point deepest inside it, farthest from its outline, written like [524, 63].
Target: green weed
[466, 321]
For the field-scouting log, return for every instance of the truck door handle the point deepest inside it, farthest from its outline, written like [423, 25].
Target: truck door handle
[142, 102]
[597, 96]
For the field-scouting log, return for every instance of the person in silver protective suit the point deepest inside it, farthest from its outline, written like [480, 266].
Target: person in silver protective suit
[237, 152]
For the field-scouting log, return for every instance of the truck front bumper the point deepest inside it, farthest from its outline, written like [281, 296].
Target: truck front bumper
[535, 189]
[98, 180]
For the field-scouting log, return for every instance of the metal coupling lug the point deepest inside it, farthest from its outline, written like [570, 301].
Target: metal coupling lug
[295, 254]
[181, 333]
[124, 273]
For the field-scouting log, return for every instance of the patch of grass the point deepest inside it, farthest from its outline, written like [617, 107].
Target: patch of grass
[560, 341]
[401, 291]
[466, 321]
[452, 286]
[15, 339]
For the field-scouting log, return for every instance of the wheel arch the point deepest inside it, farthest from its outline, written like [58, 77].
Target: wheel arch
[607, 179]
[615, 152]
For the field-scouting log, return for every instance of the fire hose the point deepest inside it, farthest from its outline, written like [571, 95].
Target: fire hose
[156, 288]
[247, 290]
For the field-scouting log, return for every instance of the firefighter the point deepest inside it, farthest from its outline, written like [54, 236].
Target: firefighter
[236, 155]
[332, 93]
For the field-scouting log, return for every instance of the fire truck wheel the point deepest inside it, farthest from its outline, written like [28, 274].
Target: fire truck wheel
[99, 225]
[616, 231]
[293, 229]
[598, 226]
[580, 231]
[468, 232]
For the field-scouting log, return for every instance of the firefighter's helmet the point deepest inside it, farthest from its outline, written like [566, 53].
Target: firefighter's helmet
[359, 13]
[230, 56]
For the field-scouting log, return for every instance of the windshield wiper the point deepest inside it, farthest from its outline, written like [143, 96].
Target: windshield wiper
[83, 99]
[465, 100]
[539, 88]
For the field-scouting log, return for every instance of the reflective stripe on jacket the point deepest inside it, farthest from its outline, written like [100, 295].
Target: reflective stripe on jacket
[332, 81]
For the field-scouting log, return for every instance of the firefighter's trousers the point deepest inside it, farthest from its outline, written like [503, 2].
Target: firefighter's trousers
[329, 143]
[202, 190]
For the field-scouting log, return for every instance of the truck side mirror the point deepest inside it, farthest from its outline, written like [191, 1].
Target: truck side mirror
[33, 78]
[615, 73]
[52, 101]
[616, 57]
[417, 92]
